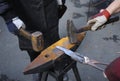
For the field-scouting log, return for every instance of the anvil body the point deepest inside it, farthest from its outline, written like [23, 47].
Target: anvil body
[48, 57]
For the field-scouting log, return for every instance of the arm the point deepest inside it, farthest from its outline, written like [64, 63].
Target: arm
[11, 19]
[3, 7]
[102, 17]
[114, 7]
[6, 11]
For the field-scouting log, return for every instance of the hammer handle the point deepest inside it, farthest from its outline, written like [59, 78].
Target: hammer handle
[88, 27]
[25, 33]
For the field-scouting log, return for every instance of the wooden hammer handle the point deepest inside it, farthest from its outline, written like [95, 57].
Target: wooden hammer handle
[88, 27]
[25, 33]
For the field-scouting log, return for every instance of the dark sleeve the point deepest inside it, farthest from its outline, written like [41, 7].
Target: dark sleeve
[6, 10]
[63, 1]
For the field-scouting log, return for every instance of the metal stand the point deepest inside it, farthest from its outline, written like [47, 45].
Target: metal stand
[58, 72]
[54, 62]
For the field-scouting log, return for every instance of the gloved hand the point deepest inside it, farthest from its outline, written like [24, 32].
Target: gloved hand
[14, 25]
[99, 19]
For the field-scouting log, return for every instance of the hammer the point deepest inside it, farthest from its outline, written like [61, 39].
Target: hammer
[73, 32]
[36, 39]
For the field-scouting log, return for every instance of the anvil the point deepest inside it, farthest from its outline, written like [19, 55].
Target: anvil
[48, 56]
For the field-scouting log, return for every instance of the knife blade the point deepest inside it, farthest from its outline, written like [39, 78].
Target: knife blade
[74, 55]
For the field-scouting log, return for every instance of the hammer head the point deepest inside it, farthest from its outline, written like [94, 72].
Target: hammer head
[71, 31]
[37, 41]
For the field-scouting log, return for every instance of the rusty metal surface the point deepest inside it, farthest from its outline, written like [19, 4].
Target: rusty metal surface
[46, 59]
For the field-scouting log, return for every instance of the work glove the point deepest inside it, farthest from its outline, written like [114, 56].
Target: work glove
[99, 19]
[14, 25]
[112, 71]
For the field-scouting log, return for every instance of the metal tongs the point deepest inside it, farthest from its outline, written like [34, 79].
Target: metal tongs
[81, 58]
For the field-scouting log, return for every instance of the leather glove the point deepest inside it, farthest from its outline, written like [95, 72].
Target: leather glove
[14, 25]
[99, 19]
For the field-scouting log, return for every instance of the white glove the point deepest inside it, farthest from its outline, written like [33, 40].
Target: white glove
[59, 2]
[18, 23]
[99, 20]
[14, 25]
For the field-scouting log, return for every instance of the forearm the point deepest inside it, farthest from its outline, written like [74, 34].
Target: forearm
[6, 11]
[101, 18]
[118, 10]
[114, 7]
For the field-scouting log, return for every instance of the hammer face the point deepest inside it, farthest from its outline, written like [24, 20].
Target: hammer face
[37, 41]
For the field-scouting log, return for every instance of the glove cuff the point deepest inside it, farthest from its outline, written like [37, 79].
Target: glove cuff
[104, 12]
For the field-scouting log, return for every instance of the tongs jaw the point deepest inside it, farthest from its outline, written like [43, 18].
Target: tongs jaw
[94, 63]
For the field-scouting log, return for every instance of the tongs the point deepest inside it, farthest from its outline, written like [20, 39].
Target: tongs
[81, 58]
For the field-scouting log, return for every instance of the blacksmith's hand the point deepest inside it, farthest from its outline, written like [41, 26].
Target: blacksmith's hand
[99, 19]
[15, 24]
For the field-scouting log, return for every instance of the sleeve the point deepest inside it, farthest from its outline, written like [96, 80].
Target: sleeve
[63, 1]
[6, 10]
